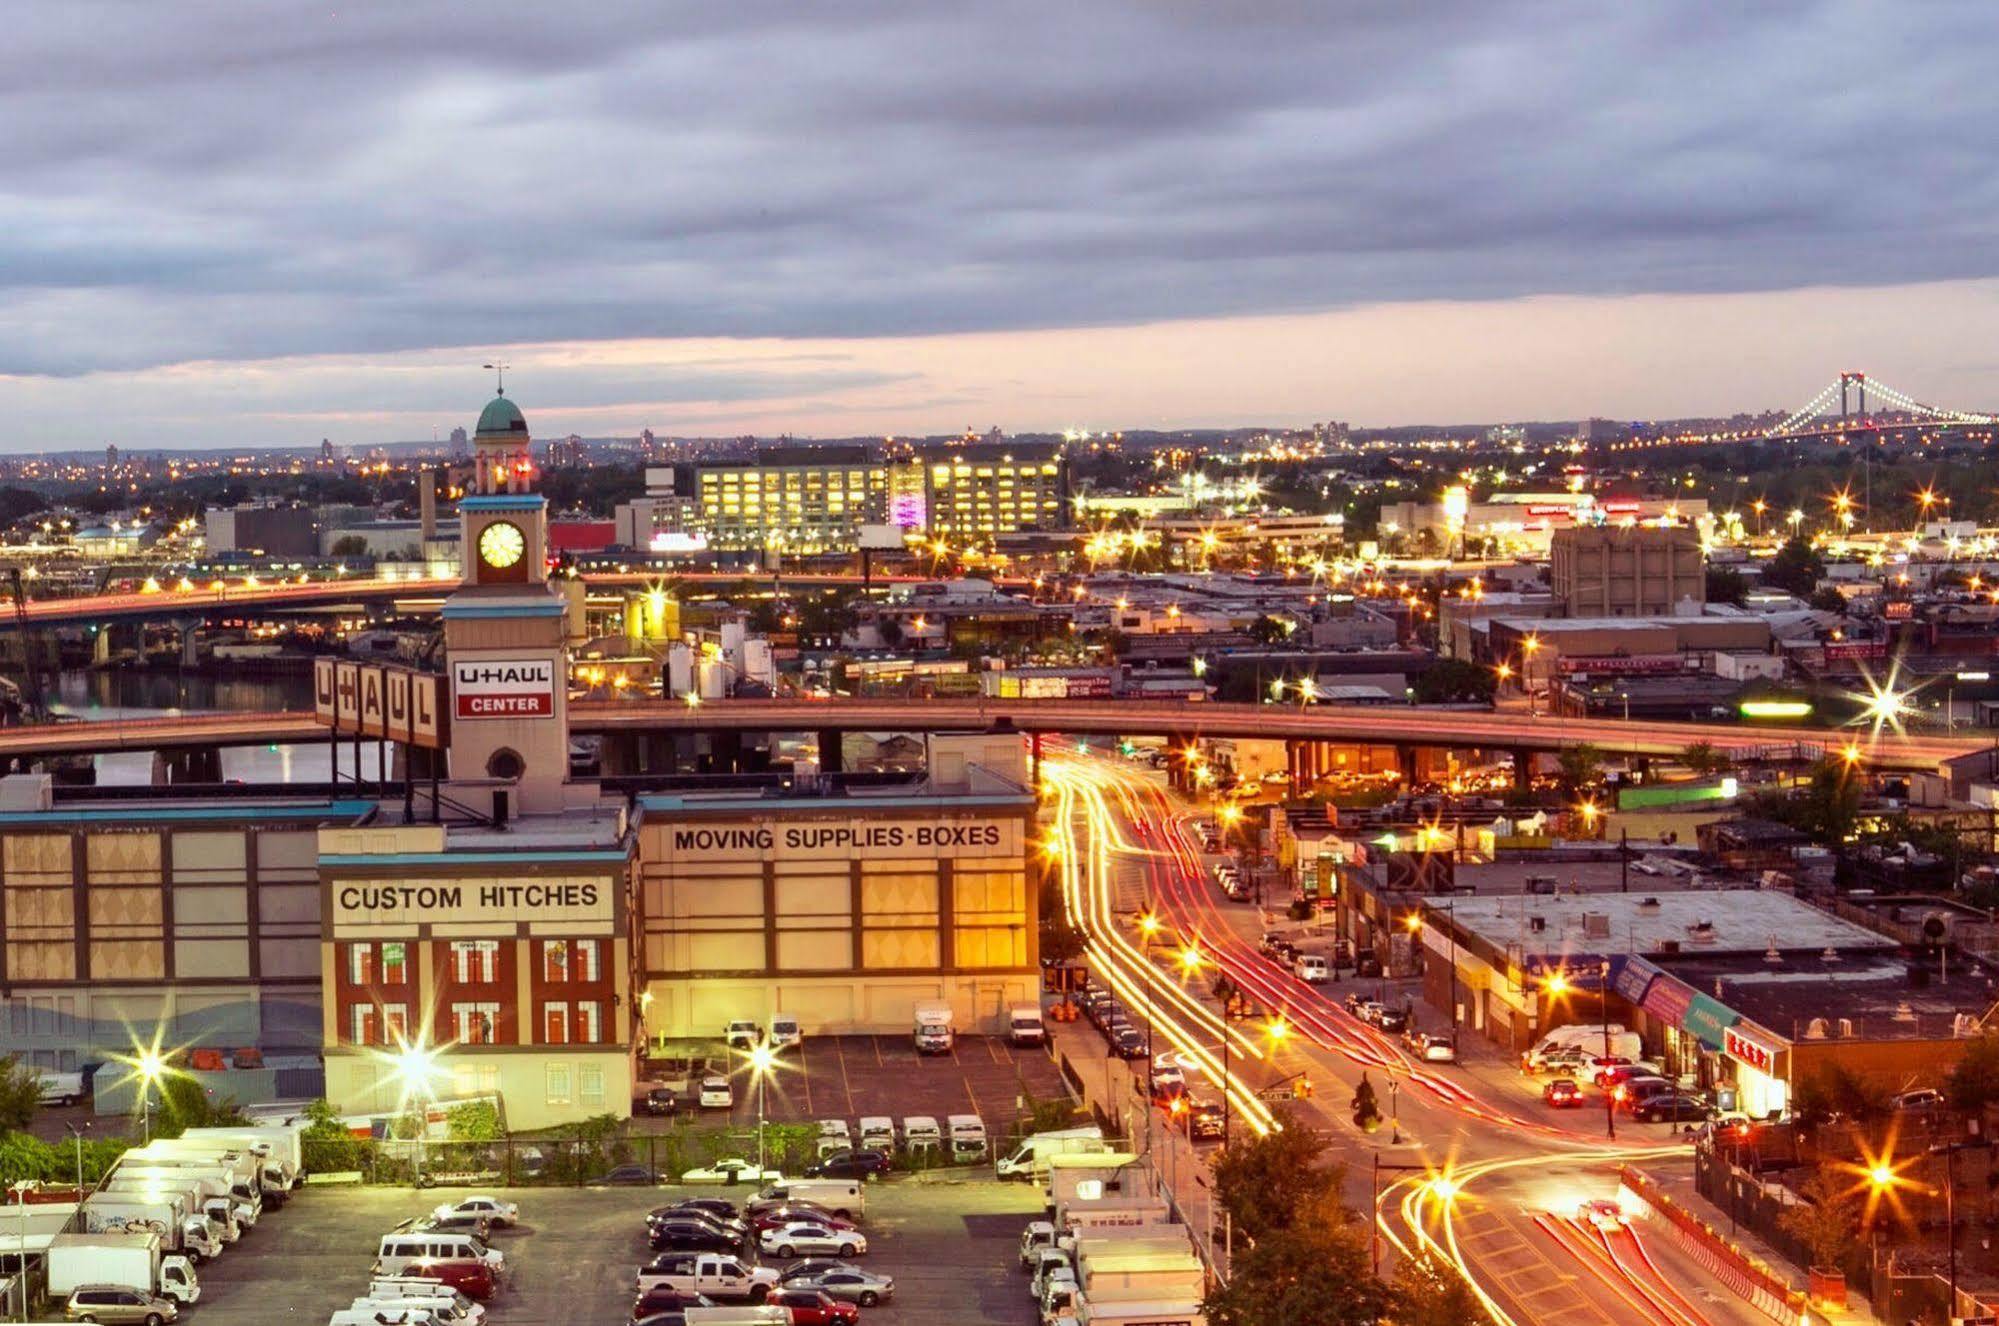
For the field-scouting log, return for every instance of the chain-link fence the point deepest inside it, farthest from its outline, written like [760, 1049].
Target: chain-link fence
[635, 1159]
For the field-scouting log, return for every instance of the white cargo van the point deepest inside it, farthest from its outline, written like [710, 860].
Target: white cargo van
[920, 1133]
[401, 1250]
[878, 1132]
[1584, 1043]
[968, 1138]
[785, 1033]
[1030, 1159]
[933, 1033]
[1024, 1025]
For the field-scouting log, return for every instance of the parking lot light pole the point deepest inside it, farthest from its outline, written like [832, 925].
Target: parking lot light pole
[762, 1060]
[1148, 929]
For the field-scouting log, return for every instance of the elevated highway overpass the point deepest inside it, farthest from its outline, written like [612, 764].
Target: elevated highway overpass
[417, 591]
[1373, 725]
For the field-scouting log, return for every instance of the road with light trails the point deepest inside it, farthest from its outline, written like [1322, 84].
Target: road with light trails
[1494, 1190]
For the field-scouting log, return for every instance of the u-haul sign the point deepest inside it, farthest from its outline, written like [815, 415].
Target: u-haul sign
[503, 688]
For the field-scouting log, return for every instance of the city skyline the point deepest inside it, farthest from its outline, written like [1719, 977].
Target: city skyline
[911, 222]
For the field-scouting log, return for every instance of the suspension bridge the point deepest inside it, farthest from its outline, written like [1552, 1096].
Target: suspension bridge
[1842, 408]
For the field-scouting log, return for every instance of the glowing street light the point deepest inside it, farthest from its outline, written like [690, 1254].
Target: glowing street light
[1557, 984]
[763, 1060]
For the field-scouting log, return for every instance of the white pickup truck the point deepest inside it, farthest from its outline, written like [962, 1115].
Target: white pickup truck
[717, 1275]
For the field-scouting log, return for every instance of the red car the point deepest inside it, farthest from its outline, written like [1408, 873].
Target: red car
[469, 1276]
[1563, 1094]
[795, 1211]
[815, 1307]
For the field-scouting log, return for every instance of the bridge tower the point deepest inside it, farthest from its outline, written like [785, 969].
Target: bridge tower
[1857, 381]
[505, 647]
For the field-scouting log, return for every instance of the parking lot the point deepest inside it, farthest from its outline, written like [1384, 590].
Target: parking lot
[950, 1246]
[848, 1077]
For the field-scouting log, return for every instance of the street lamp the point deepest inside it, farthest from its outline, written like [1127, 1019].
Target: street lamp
[150, 1067]
[414, 1065]
[77, 1133]
[1148, 929]
[763, 1060]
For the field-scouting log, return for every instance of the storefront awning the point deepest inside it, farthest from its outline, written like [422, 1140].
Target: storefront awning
[1708, 1020]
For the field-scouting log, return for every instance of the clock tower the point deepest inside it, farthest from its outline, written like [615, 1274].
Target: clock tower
[505, 651]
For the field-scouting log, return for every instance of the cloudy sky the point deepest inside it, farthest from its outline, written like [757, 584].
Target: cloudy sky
[258, 223]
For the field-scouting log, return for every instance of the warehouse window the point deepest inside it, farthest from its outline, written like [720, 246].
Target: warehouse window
[558, 1084]
[475, 961]
[475, 1024]
[555, 1024]
[590, 1077]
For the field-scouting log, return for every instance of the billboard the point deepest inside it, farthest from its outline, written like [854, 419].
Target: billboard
[503, 688]
[375, 700]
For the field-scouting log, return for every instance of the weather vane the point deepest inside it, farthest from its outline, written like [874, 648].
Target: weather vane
[499, 368]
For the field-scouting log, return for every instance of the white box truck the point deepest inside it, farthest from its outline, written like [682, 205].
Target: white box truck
[130, 1261]
[135, 1188]
[1029, 1159]
[241, 1170]
[213, 1192]
[284, 1147]
[167, 1215]
[251, 1167]
[1181, 1311]
[933, 1033]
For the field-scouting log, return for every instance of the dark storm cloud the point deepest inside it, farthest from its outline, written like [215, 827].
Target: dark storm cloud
[211, 181]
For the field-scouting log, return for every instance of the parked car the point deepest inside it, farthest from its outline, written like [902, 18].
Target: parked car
[807, 1267]
[628, 1176]
[659, 1101]
[853, 1163]
[1564, 1093]
[500, 1214]
[794, 1237]
[743, 1034]
[665, 1298]
[1603, 1069]
[785, 1213]
[1924, 1098]
[1635, 1091]
[716, 1208]
[690, 1235]
[717, 1093]
[1433, 1048]
[468, 1275]
[732, 1170]
[815, 1307]
[1392, 1019]
[1671, 1106]
[1313, 968]
[450, 1221]
[118, 1305]
[1127, 1042]
[851, 1284]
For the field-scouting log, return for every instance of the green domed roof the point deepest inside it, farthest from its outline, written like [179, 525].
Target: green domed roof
[502, 418]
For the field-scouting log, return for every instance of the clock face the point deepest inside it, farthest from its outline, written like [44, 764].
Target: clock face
[501, 545]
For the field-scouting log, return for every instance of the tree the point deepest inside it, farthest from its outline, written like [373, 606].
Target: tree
[185, 1103]
[1302, 1256]
[1826, 808]
[1828, 600]
[1705, 760]
[1835, 1091]
[20, 1094]
[1454, 681]
[1267, 630]
[1579, 767]
[1974, 1082]
[1429, 1292]
[1314, 1274]
[473, 1121]
[1824, 1221]
[1366, 1108]
[1268, 1183]
[349, 545]
[1796, 568]
[1725, 584]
